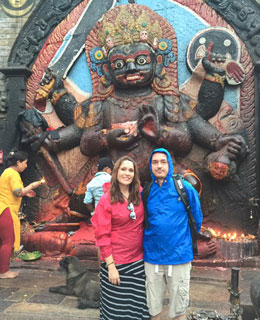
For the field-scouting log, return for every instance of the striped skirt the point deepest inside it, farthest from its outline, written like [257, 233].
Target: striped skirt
[127, 301]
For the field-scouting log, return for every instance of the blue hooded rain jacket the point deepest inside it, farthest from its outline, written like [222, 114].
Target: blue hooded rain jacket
[168, 240]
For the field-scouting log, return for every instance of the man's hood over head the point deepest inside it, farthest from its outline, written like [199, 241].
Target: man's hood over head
[162, 150]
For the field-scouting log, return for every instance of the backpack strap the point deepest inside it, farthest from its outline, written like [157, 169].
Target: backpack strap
[146, 191]
[182, 193]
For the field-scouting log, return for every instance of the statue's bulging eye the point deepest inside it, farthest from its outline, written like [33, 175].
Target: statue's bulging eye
[141, 60]
[119, 64]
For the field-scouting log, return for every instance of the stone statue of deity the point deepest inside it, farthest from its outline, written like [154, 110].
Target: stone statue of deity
[136, 105]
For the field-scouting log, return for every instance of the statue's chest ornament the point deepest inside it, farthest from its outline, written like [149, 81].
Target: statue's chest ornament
[132, 102]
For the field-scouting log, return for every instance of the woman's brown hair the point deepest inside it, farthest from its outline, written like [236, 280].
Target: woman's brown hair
[134, 187]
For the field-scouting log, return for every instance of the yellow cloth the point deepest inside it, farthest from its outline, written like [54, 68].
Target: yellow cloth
[10, 180]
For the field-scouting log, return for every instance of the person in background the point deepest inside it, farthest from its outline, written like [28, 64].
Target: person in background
[167, 239]
[95, 186]
[119, 226]
[11, 193]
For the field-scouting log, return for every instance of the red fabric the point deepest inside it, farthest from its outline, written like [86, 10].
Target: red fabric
[6, 239]
[116, 233]
[85, 234]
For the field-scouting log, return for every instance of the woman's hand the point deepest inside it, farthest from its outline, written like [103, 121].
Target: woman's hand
[35, 184]
[31, 194]
[28, 191]
[113, 275]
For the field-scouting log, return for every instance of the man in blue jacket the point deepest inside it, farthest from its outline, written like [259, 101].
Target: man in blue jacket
[167, 240]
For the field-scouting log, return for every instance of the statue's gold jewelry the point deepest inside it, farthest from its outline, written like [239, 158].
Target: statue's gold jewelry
[216, 78]
[127, 28]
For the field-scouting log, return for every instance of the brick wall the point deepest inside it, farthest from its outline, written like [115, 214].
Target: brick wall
[9, 30]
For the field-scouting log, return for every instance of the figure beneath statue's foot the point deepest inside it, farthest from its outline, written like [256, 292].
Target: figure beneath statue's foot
[9, 275]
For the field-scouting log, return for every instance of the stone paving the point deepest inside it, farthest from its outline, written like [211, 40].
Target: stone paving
[27, 297]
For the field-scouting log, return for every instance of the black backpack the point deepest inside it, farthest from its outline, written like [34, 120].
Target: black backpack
[183, 195]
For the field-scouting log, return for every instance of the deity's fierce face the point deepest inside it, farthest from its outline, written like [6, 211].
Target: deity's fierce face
[132, 65]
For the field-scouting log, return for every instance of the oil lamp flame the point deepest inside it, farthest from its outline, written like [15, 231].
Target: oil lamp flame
[43, 180]
[228, 236]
